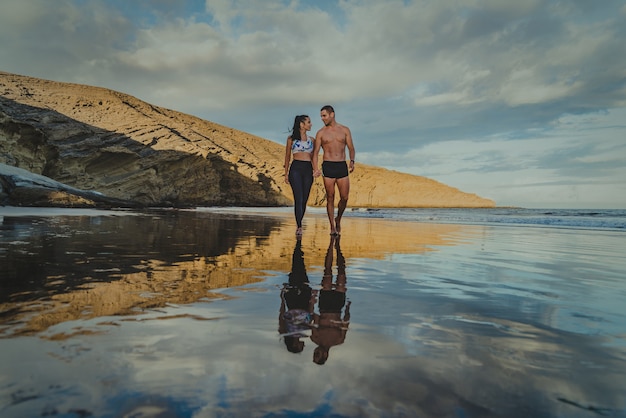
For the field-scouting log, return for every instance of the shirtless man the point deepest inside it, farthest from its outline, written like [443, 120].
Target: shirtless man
[328, 328]
[333, 138]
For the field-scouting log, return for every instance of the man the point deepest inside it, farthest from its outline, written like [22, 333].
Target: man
[333, 138]
[328, 327]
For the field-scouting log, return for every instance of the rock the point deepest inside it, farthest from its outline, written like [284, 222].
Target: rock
[91, 138]
[19, 187]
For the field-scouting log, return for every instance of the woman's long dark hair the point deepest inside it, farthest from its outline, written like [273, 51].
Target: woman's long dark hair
[295, 131]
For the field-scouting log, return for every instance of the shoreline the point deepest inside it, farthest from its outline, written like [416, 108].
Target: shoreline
[584, 219]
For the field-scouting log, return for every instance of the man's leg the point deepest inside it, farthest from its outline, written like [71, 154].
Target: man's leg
[343, 184]
[329, 185]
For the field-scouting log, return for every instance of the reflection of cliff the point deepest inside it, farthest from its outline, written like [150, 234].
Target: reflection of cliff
[81, 267]
[60, 253]
[374, 238]
[71, 268]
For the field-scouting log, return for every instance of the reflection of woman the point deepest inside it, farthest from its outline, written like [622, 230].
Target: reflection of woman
[329, 329]
[300, 173]
[296, 304]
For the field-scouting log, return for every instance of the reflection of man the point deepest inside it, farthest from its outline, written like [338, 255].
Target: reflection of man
[297, 304]
[329, 329]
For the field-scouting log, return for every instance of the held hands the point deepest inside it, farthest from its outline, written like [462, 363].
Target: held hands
[317, 173]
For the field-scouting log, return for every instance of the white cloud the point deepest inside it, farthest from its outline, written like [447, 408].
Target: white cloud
[524, 87]
[550, 169]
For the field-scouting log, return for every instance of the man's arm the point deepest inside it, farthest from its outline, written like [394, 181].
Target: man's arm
[351, 149]
[315, 156]
[346, 315]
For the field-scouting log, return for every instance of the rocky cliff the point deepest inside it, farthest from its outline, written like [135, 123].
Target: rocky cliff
[125, 150]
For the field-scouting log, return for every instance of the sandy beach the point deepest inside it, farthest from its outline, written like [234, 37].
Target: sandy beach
[176, 313]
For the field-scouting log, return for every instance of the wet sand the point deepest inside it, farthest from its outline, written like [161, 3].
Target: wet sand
[177, 313]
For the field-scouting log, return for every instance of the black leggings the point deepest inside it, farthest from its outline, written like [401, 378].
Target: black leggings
[301, 180]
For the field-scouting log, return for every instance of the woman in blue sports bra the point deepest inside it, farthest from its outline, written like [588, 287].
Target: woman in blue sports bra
[299, 174]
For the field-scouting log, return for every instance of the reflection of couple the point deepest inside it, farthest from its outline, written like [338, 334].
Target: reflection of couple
[297, 314]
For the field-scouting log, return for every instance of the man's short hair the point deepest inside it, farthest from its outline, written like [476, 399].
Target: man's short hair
[328, 108]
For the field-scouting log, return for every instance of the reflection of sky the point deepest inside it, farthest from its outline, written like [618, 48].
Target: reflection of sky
[236, 361]
[556, 280]
[493, 320]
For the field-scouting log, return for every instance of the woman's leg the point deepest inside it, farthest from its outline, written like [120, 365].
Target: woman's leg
[301, 180]
[307, 183]
[297, 186]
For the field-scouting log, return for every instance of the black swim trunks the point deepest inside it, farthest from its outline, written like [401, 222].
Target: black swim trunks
[335, 169]
[331, 301]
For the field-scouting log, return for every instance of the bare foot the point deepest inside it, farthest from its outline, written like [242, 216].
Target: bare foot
[299, 231]
[337, 225]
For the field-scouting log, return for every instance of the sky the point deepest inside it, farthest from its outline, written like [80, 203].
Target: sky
[522, 102]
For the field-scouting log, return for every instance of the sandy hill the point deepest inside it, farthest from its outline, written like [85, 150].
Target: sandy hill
[96, 139]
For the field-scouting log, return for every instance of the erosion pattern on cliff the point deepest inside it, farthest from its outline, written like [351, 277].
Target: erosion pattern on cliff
[101, 140]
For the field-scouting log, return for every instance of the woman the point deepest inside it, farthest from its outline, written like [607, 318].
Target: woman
[297, 301]
[300, 173]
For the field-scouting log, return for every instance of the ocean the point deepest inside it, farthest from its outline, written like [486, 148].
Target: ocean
[567, 218]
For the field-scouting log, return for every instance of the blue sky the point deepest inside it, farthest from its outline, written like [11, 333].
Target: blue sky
[523, 102]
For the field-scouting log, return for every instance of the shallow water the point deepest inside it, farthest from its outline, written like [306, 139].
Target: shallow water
[176, 314]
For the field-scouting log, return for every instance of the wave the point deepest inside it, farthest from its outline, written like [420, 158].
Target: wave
[570, 218]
